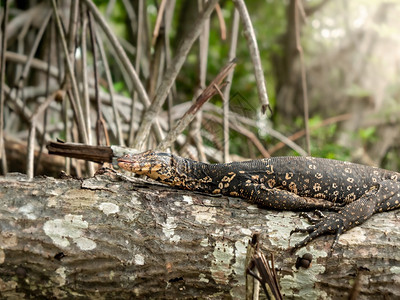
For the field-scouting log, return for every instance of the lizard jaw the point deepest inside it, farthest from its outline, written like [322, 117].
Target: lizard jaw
[157, 169]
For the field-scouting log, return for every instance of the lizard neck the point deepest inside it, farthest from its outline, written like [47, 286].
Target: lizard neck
[191, 175]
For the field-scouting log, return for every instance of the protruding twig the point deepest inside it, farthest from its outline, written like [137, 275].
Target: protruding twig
[98, 154]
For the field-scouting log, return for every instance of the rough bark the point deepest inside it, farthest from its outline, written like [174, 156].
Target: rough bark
[106, 238]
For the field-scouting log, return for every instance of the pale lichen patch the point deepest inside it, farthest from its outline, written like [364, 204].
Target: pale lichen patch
[109, 208]
[395, 270]
[61, 278]
[85, 243]
[246, 231]
[2, 256]
[8, 240]
[27, 211]
[240, 255]
[279, 232]
[9, 286]
[139, 260]
[204, 214]
[203, 278]
[60, 230]
[188, 199]
[168, 229]
[221, 264]
[135, 200]
[355, 236]
[204, 242]
[252, 207]
[302, 281]
[80, 198]
[52, 201]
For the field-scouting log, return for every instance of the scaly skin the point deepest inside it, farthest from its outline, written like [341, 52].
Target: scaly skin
[354, 192]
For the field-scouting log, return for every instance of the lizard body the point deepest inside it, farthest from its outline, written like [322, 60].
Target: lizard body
[354, 192]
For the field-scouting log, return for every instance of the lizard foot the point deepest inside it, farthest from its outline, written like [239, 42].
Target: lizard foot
[312, 219]
[331, 224]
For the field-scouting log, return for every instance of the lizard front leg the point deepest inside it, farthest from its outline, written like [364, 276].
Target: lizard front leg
[386, 198]
[281, 199]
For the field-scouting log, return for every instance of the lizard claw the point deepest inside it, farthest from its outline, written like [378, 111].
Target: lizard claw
[330, 224]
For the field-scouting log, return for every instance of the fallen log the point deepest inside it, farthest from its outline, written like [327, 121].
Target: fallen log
[105, 237]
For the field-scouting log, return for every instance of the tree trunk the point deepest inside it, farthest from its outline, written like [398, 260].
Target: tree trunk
[104, 237]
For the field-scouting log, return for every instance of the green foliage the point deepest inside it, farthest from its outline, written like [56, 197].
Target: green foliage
[323, 140]
[368, 134]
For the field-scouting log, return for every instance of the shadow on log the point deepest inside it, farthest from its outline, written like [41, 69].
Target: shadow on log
[103, 237]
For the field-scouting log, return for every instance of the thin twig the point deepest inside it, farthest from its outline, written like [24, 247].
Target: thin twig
[2, 84]
[126, 63]
[244, 131]
[17, 105]
[300, 133]
[254, 53]
[20, 44]
[112, 92]
[170, 75]
[195, 126]
[85, 84]
[35, 45]
[119, 51]
[139, 47]
[232, 55]
[30, 159]
[158, 21]
[35, 63]
[221, 20]
[100, 124]
[298, 7]
[157, 64]
[50, 35]
[73, 22]
[169, 12]
[75, 99]
[209, 92]
[110, 8]
[225, 124]
[32, 135]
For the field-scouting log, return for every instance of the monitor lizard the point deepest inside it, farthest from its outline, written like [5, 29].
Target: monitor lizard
[352, 191]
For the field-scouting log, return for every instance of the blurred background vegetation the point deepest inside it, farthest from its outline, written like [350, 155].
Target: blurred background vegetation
[349, 51]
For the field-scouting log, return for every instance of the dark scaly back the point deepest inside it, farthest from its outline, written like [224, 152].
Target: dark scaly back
[322, 178]
[328, 179]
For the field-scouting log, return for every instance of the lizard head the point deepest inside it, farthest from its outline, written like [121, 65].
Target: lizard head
[156, 165]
